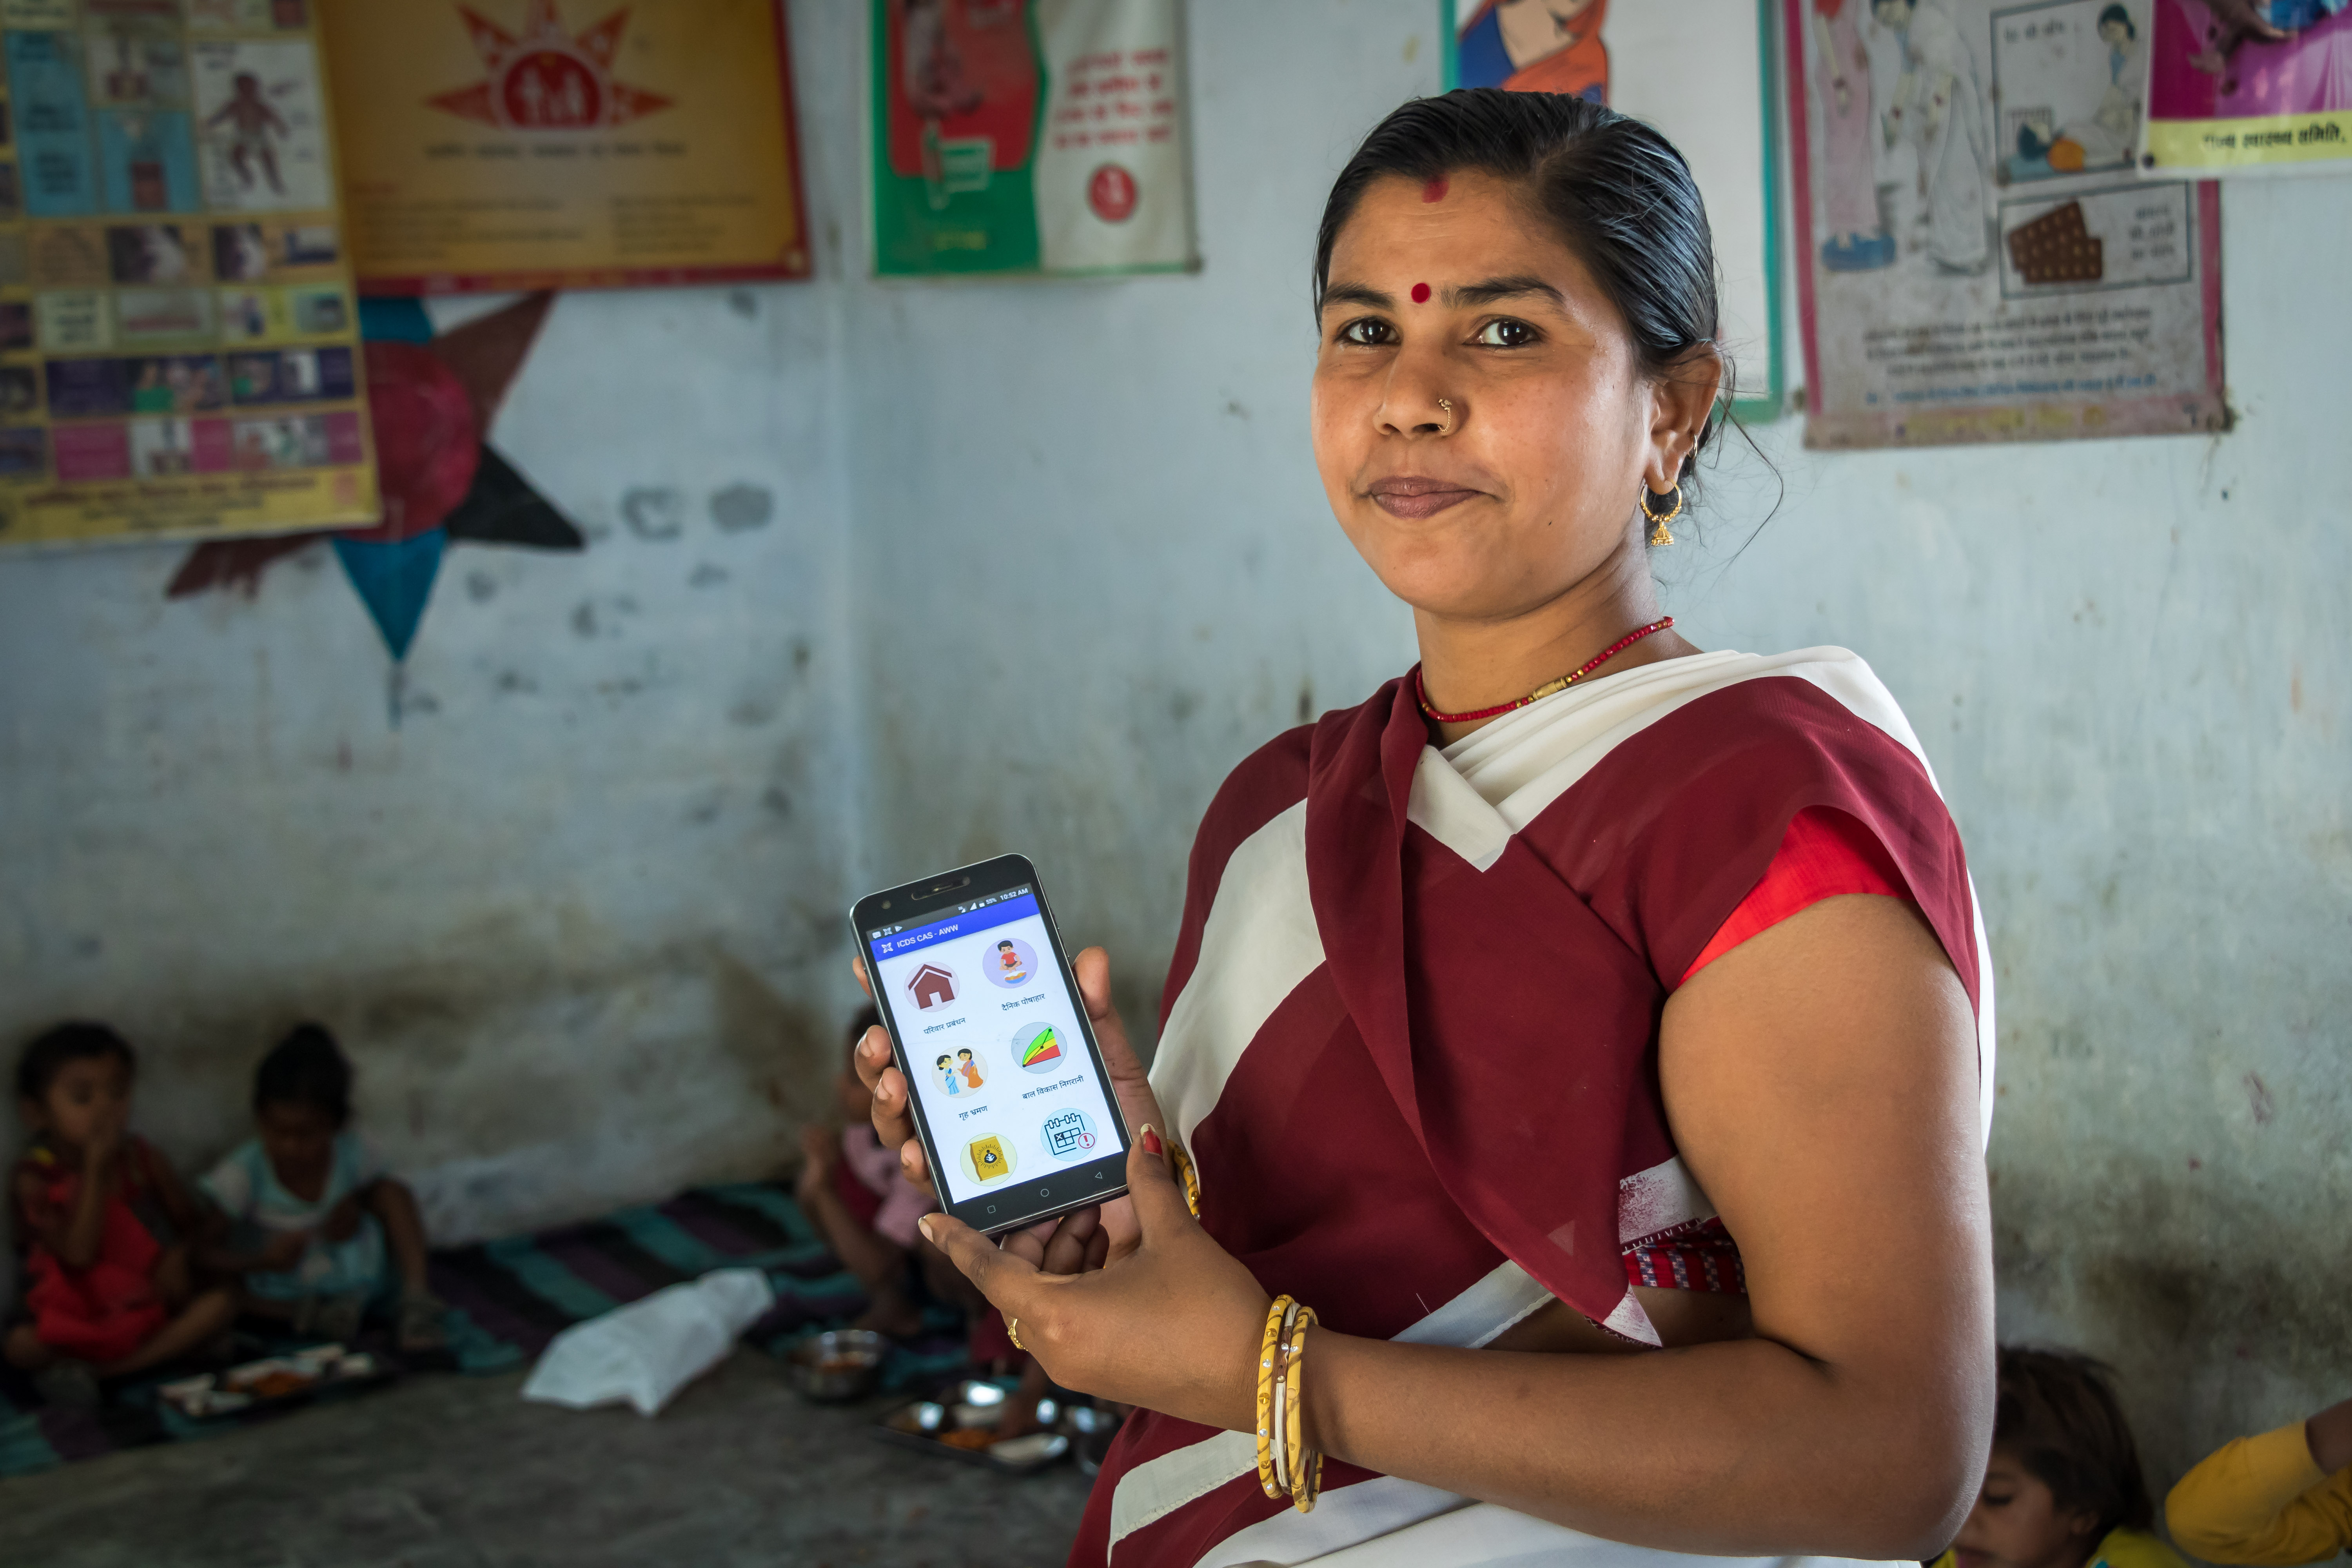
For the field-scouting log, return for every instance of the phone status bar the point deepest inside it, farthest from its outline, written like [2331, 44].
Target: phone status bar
[965, 909]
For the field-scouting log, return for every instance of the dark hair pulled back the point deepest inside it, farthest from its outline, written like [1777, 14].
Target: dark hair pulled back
[2056, 1415]
[1612, 188]
[307, 1067]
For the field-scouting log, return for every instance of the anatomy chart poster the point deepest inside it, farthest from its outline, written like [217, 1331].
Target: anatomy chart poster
[506, 144]
[1979, 259]
[1030, 136]
[178, 335]
[2265, 85]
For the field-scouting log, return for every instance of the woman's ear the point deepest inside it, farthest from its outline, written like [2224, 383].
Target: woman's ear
[1681, 402]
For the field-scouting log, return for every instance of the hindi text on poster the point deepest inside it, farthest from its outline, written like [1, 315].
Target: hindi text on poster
[500, 144]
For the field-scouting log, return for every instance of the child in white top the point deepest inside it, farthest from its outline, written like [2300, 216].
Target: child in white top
[312, 1212]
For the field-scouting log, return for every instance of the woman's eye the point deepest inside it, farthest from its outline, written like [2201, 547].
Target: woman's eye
[1505, 334]
[1368, 332]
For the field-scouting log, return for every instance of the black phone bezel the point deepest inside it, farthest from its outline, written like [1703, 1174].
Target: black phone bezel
[922, 901]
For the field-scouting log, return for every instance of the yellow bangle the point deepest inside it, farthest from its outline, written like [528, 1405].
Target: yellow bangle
[1186, 1174]
[1285, 1425]
[1266, 1360]
[1305, 1469]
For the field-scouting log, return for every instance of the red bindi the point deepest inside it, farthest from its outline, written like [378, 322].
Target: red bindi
[1434, 191]
[1421, 293]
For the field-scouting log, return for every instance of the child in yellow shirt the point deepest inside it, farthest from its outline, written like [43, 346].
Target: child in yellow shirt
[2063, 1489]
[2280, 1498]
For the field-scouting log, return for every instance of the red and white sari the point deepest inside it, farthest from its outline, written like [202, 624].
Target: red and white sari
[1409, 1040]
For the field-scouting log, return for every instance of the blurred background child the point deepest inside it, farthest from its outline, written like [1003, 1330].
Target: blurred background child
[311, 1214]
[2283, 1497]
[103, 1227]
[853, 1192]
[2064, 1488]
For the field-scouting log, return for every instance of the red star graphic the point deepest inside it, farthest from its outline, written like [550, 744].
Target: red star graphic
[546, 78]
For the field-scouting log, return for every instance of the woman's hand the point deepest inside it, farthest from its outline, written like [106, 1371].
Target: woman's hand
[1172, 1322]
[895, 1124]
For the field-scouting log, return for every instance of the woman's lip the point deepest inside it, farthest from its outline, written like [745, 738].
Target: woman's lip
[1419, 503]
[1416, 495]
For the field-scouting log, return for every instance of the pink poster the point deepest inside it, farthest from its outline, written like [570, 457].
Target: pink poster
[2242, 85]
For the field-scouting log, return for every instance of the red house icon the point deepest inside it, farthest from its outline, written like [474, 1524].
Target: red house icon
[931, 986]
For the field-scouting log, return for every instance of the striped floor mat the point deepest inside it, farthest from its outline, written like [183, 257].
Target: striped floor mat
[506, 1299]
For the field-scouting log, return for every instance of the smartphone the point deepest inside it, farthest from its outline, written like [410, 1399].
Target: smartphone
[1009, 1094]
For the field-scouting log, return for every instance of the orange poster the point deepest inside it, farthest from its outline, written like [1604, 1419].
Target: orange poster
[502, 145]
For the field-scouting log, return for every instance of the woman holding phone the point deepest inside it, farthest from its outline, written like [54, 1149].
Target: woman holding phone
[1589, 1029]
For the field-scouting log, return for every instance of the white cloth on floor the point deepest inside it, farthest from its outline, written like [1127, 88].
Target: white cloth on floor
[642, 1353]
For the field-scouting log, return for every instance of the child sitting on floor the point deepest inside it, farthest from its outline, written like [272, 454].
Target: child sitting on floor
[862, 1204]
[310, 1211]
[101, 1228]
[2280, 1498]
[2063, 1489]
[852, 1190]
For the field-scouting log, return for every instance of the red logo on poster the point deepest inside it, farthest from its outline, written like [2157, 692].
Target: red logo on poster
[546, 78]
[1111, 191]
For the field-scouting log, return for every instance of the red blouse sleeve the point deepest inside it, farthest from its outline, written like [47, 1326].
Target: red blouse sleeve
[1824, 853]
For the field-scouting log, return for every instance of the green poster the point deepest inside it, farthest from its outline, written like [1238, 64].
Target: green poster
[1040, 137]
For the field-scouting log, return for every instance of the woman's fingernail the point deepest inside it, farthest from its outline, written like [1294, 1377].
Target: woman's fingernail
[924, 1224]
[1151, 1144]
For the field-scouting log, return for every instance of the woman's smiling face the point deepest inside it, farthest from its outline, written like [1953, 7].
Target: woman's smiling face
[1458, 289]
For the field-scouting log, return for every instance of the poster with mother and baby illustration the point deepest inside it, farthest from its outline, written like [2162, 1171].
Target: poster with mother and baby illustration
[1713, 100]
[1980, 256]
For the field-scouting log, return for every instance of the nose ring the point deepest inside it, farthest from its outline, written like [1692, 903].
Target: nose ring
[1447, 404]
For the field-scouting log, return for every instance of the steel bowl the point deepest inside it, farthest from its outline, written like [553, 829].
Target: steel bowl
[1090, 1431]
[838, 1366]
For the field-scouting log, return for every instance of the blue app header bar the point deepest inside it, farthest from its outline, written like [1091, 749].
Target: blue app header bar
[1000, 909]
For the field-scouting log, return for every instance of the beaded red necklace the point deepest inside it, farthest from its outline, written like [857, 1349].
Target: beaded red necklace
[1549, 687]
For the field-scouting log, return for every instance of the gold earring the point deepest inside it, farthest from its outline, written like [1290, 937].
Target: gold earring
[1660, 535]
[1447, 403]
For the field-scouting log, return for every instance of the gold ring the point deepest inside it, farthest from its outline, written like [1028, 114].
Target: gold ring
[1012, 1332]
[1447, 404]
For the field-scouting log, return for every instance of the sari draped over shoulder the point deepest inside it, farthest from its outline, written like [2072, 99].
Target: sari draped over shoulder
[1410, 1039]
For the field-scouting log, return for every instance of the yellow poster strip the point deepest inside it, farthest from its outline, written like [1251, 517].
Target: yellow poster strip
[2251, 143]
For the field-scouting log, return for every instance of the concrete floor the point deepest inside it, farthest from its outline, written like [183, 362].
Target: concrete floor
[458, 1472]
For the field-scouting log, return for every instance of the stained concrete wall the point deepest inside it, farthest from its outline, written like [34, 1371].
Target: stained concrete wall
[1096, 570]
[576, 916]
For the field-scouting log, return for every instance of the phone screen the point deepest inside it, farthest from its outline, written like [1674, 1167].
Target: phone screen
[994, 1046]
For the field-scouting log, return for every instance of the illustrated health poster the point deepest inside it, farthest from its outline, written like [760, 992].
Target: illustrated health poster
[178, 334]
[2269, 92]
[1030, 136]
[1699, 70]
[507, 144]
[1979, 259]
